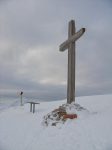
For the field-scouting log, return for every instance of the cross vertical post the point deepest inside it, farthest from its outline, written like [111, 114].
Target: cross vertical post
[71, 65]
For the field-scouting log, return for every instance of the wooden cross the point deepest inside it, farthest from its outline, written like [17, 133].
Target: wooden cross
[70, 45]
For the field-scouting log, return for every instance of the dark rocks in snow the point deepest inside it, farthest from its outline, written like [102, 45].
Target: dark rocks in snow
[61, 114]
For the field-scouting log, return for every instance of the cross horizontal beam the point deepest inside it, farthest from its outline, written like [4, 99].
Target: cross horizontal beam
[72, 39]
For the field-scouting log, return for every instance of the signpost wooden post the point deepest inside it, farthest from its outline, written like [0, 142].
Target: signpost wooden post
[21, 98]
[69, 44]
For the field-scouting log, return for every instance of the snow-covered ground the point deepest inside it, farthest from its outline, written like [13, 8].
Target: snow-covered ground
[22, 130]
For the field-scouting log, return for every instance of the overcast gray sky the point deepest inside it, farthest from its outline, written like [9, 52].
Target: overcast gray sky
[30, 34]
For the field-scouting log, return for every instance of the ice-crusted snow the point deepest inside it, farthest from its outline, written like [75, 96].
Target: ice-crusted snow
[22, 130]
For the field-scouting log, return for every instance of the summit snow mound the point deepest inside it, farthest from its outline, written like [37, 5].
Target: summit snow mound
[64, 112]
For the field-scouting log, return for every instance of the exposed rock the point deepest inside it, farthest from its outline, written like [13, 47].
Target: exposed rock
[61, 114]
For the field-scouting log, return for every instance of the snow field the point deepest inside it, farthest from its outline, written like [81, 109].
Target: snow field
[22, 130]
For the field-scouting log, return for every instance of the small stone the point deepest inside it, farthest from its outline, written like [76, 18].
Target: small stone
[54, 124]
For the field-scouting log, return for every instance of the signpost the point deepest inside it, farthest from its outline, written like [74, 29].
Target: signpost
[21, 98]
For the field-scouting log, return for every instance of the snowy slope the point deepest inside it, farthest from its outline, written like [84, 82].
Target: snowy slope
[22, 130]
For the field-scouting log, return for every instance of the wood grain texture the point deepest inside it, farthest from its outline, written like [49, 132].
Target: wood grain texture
[71, 64]
[72, 38]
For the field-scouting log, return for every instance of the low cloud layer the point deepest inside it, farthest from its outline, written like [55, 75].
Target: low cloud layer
[30, 34]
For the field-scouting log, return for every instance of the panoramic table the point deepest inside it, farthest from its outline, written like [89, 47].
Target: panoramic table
[32, 105]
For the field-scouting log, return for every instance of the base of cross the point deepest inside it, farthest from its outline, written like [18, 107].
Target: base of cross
[69, 101]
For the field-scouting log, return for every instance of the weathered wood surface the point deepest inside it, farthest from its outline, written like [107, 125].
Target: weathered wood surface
[72, 38]
[70, 45]
[71, 64]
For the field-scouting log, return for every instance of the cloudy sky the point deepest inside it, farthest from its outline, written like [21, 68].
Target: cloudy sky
[30, 34]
